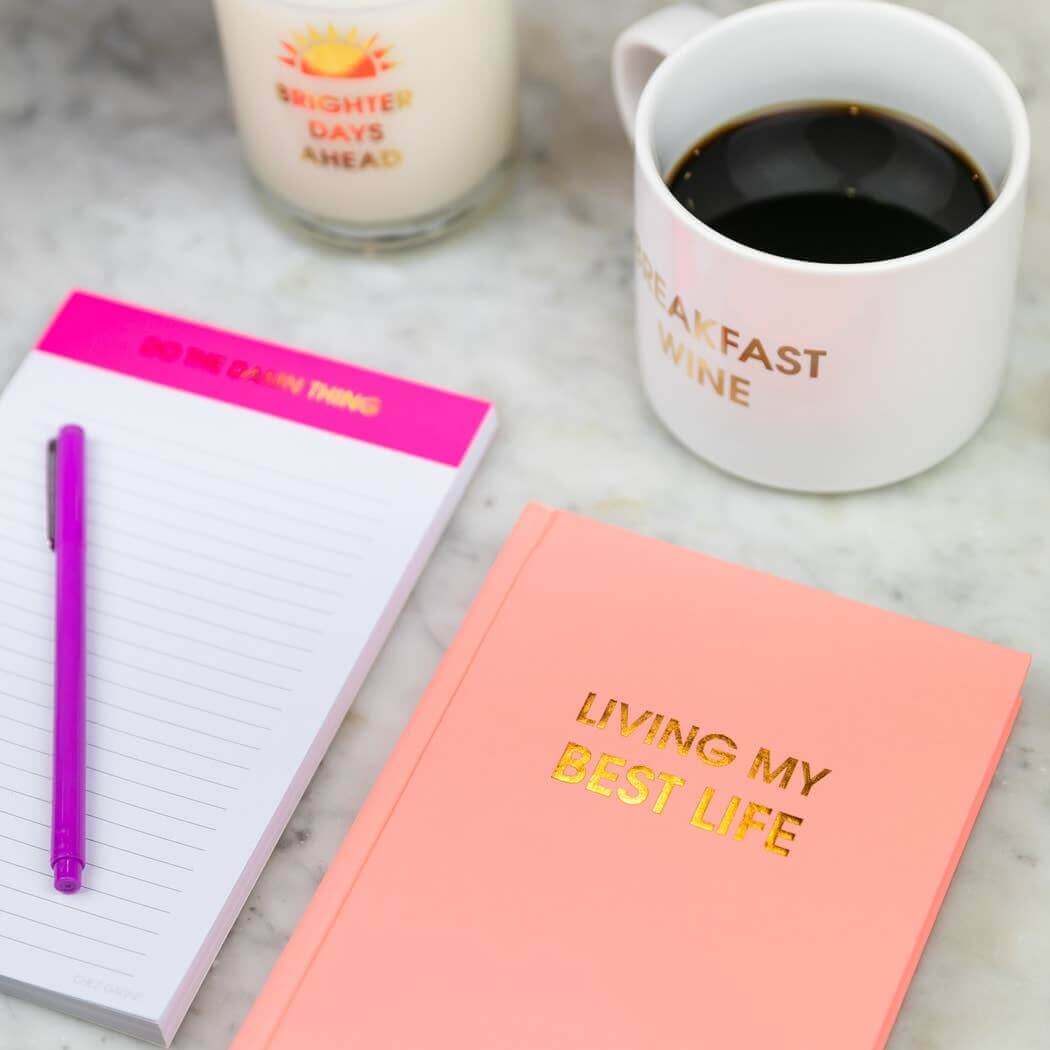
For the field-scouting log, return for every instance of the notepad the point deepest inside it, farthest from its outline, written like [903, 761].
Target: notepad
[257, 518]
[651, 800]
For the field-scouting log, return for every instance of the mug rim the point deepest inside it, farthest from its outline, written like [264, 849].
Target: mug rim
[1012, 183]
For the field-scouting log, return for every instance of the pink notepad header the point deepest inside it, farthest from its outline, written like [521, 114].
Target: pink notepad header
[381, 409]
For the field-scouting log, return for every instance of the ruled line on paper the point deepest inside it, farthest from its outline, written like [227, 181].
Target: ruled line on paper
[75, 933]
[169, 484]
[96, 504]
[291, 624]
[153, 812]
[160, 765]
[113, 798]
[125, 900]
[63, 955]
[169, 746]
[148, 717]
[120, 530]
[181, 659]
[50, 424]
[251, 591]
[46, 730]
[181, 486]
[241, 480]
[186, 638]
[302, 585]
[132, 711]
[109, 614]
[284, 644]
[143, 831]
[133, 878]
[225, 539]
[47, 619]
[260, 530]
[27, 633]
[153, 787]
[94, 867]
[291, 519]
[182, 681]
[106, 820]
[141, 856]
[199, 512]
[160, 813]
[179, 725]
[178, 703]
[91, 892]
[110, 773]
[145, 670]
[64, 903]
[100, 842]
[116, 776]
[186, 530]
[109, 570]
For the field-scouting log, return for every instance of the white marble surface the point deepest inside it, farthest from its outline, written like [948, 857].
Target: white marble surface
[119, 172]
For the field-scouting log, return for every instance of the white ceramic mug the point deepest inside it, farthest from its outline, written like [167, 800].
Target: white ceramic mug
[813, 376]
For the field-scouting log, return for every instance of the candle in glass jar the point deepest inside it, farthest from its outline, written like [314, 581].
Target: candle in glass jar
[372, 116]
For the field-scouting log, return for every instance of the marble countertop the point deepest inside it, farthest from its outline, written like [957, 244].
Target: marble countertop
[119, 172]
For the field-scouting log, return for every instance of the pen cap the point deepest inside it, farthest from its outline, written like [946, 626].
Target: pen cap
[67, 482]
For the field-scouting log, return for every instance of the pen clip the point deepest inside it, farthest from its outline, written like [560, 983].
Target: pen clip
[52, 454]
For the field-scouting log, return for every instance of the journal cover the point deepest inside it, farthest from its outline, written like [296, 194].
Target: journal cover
[651, 800]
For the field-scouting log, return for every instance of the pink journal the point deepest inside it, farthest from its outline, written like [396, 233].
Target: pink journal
[651, 800]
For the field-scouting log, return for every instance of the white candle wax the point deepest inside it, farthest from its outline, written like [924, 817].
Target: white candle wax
[371, 112]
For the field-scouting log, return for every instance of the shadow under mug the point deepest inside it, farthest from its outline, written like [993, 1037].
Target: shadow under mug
[812, 376]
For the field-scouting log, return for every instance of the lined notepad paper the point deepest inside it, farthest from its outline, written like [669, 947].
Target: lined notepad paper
[257, 517]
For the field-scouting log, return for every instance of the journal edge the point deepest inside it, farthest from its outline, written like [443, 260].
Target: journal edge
[292, 967]
[965, 832]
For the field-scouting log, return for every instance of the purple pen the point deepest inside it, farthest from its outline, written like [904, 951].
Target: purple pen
[67, 533]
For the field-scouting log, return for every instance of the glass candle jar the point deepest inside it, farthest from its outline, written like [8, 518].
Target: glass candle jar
[373, 123]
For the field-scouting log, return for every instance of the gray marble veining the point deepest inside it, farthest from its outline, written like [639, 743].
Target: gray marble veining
[119, 172]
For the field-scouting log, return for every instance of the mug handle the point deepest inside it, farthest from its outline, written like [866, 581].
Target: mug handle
[640, 48]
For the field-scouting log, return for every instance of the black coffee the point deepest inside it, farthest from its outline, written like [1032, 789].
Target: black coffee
[833, 183]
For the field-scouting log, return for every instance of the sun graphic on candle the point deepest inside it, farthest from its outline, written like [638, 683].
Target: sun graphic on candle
[335, 54]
